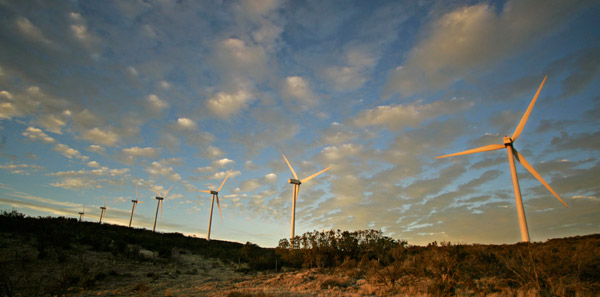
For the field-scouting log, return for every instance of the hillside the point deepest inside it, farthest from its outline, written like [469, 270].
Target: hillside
[60, 256]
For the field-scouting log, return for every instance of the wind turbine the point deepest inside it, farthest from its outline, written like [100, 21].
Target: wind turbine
[215, 194]
[81, 213]
[159, 200]
[135, 202]
[512, 154]
[102, 210]
[296, 182]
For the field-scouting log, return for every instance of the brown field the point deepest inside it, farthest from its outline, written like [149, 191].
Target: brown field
[61, 257]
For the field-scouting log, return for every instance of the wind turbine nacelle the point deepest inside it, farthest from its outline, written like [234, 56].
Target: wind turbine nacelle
[507, 140]
[102, 207]
[294, 181]
[159, 198]
[134, 201]
[214, 192]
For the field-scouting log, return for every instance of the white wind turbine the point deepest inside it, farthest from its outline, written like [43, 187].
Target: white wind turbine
[159, 200]
[135, 202]
[512, 154]
[296, 182]
[215, 194]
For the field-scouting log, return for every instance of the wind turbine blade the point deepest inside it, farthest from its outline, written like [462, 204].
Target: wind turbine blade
[159, 195]
[228, 173]
[136, 192]
[526, 115]
[486, 148]
[205, 191]
[528, 166]
[314, 175]
[292, 169]
[219, 205]
[167, 193]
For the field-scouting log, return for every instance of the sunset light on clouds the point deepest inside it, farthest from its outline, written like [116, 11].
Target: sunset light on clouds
[97, 97]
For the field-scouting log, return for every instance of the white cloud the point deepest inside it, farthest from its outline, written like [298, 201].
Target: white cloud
[223, 162]
[96, 149]
[464, 41]
[147, 152]
[397, 117]
[186, 124]
[297, 91]
[213, 152]
[225, 105]
[103, 137]
[22, 169]
[271, 177]
[69, 152]
[93, 164]
[35, 134]
[90, 179]
[162, 169]
[156, 104]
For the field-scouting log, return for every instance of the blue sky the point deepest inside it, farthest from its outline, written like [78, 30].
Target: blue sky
[97, 97]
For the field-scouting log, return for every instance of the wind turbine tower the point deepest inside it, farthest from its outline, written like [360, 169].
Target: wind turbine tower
[102, 211]
[135, 202]
[159, 201]
[215, 194]
[81, 213]
[296, 182]
[512, 154]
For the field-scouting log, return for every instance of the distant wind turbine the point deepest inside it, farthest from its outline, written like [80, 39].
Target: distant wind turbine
[102, 210]
[81, 213]
[135, 202]
[512, 154]
[215, 194]
[296, 182]
[159, 200]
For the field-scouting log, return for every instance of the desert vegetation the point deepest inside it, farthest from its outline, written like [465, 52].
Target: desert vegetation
[61, 256]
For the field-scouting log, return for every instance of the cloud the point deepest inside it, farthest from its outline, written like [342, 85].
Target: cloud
[224, 105]
[93, 164]
[186, 124]
[397, 117]
[464, 41]
[297, 92]
[252, 185]
[102, 137]
[79, 31]
[358, 64]
[69, 152]
[35, 134]
[21, 169]
[155, 104]
[337, 134]
[130, 155]
[31, 31]
[237, 58]
[49, 111]
[96, 149]
[162, 169]
[96, 178]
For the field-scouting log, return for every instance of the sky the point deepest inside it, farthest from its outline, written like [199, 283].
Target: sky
[100, 97]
